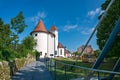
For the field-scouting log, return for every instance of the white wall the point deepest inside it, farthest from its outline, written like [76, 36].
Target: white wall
[56, 41]
[61, 52]
[51, 45]
[41, 42]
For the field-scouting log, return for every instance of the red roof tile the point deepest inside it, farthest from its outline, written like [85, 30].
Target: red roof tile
[53, 28]
[40, 27]
[60, 45]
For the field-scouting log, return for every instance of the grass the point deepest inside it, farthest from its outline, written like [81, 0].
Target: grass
[76, 72]
[61, 75]
[108, 65]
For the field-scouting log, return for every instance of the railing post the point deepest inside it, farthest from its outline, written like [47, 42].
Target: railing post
[47, 64]
[65, 72]
[55, 70]
[98, 75]
[50, 65]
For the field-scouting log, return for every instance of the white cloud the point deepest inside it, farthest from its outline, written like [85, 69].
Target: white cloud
[94, 12]
[87, 31]
[37, 17]
[67, 27]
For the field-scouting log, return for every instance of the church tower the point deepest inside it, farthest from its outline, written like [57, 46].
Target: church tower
[40, 35]
[55, 31]
[47, 41]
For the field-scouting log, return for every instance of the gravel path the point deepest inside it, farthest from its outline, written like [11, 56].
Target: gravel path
[34, 71]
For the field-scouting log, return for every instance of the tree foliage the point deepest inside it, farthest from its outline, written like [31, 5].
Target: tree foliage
[107, 25]
[9, 38]
[97, 53]
[27, 45]
[76, 53]
[18, 26]
[28, 42]
[5, 33]
[18, 23]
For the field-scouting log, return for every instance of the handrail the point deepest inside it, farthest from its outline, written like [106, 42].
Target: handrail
[97, 70]
[52, 65]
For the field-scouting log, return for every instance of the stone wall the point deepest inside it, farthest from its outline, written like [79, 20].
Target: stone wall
[7, 69]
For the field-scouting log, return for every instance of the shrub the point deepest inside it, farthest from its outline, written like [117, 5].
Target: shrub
[8, 54]
[5, 54]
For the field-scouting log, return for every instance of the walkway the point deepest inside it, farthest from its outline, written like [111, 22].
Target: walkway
[34, 71]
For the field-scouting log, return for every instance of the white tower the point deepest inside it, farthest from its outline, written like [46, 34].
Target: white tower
[40, 35]
[51, 44]
[55, 31]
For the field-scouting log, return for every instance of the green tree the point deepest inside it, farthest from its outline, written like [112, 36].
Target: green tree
[9, 38]
[18, 23]
[107, 26]
[28, 42]
[18, 26]
[5, 33]
[27, 45]
[76, 53]
[97, 53]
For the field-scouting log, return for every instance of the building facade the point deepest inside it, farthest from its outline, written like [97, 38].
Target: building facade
[88, 53]
[88, 50]
[47, 41]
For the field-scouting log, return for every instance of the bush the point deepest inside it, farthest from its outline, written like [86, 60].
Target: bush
[37, 55]
[5, 54]
[8, 54]
[1, 57]
[14, 54]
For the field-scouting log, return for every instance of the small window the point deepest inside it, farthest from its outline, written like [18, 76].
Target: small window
[45, 55]
[51, 54]
[40, 53]
[55, 52]
[35, 34]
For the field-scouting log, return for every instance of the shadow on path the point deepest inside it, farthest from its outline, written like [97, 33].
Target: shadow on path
[34, 71]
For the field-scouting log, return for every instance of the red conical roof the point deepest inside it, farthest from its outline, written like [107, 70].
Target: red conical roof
[53, 28]
[40, 27]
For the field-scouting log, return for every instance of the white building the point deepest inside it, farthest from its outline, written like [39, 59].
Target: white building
[61, 50]
[47, 41]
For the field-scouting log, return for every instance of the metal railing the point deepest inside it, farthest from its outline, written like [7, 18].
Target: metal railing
[64, 71]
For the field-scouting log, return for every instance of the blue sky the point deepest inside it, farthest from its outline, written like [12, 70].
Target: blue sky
[75, 19]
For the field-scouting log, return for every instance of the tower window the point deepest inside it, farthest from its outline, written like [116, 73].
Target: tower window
[55, 52]
[51, 54]
[40, 53]
[35, 34]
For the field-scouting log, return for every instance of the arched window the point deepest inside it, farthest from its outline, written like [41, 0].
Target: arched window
[61, 52]
[55, 52]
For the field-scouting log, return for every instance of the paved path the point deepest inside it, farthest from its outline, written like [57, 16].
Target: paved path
[34, 71]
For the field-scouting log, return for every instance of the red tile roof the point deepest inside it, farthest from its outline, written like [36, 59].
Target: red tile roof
[60, 45]
[53, 28]
[40, 27]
